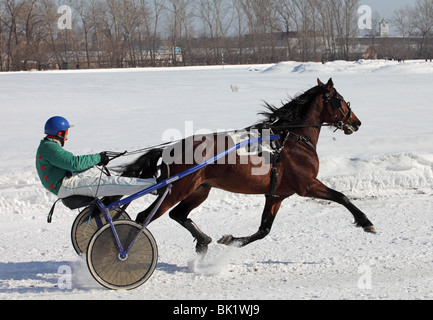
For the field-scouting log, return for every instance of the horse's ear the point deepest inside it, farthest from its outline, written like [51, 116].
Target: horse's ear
[330, 84]
[320, 83]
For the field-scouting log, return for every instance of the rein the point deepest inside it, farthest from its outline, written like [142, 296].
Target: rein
[143, 150]
[114, 155]
[299, 126]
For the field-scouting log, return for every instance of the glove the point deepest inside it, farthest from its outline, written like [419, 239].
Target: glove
[104, 159]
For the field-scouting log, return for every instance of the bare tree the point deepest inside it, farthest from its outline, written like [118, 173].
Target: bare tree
[179, 13]
[239, 26]
[10, 13]
[303, 24]
[216, 17]
[350, 31]
[286, 16]
[151, 12]
[21, 22]
[83, 9]
[423, 24]
[403, 21]
[49, 18]
[268, 25]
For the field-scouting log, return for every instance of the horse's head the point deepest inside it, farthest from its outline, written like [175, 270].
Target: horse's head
[337, 111]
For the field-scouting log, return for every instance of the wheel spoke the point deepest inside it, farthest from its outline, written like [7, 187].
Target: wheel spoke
[84, 228]
[115, 273]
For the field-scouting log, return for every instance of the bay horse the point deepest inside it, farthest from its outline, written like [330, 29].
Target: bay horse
[294, 167]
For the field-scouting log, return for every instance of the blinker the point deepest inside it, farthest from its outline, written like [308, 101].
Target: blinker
[335, 103]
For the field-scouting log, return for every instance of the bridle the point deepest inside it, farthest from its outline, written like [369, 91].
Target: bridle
[335, 102]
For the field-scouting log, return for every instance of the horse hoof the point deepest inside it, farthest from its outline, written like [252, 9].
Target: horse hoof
[370, 229]
[232, 241]
[201, 250]
[226, 240]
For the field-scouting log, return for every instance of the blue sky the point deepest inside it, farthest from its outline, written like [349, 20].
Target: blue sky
[386, 8]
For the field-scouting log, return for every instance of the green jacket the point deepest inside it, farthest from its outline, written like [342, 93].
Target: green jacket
[53, 164]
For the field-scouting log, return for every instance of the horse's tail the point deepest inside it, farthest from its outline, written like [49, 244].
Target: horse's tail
[144, 167]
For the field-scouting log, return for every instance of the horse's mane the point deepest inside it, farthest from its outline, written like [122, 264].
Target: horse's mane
[292, 112]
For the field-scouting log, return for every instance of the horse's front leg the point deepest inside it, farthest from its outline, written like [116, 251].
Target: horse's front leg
[320, 191]
[270, 211]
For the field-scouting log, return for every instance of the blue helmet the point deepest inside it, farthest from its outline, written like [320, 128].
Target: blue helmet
[56, 124]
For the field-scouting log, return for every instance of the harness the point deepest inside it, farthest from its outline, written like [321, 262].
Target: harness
[276, 156]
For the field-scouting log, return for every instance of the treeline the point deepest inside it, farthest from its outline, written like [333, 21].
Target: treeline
[139, 33]
[414, 24]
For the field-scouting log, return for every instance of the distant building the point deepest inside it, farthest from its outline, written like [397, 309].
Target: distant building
[384, 28]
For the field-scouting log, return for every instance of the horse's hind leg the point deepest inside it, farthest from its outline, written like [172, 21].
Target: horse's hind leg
[167, 204]
[270, 211]
[180, 214]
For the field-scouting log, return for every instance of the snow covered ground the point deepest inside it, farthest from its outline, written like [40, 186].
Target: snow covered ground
[313, 251]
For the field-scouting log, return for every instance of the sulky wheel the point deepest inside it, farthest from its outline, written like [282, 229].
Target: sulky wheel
[112, 270]
[85, 227]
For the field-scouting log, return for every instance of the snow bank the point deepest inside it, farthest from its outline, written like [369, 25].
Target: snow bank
[394, 172]
[360, 66]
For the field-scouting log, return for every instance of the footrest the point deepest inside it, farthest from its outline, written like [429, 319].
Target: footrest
[75, 202]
